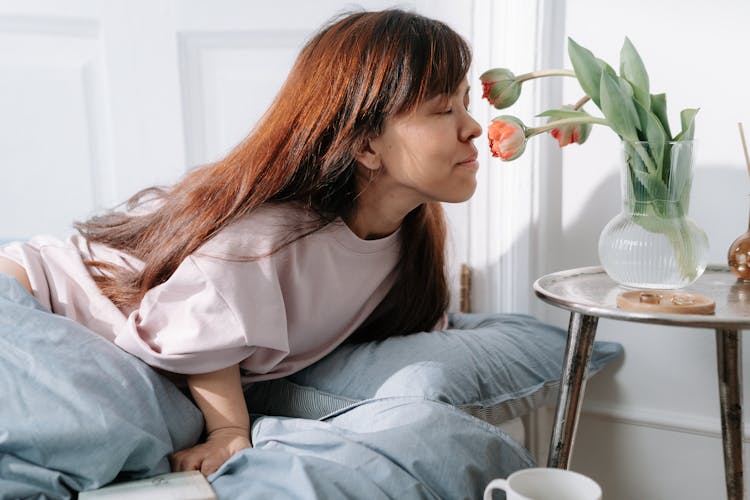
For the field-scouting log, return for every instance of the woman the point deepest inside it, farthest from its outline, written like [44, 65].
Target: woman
[324, 225]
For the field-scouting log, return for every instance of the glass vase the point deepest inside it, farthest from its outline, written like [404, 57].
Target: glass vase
[652, 243]
[738, 256]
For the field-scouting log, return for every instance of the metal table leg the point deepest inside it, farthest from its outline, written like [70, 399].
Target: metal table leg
[581, 333]
[729, 362]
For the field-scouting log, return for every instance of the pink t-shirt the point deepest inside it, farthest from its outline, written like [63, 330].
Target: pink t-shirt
[274, 315]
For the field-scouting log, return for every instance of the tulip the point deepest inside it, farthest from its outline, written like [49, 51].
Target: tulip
[500, 87]
[507, 135]
[570, 133]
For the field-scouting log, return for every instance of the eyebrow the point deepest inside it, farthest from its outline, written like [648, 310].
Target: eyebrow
[445, 97]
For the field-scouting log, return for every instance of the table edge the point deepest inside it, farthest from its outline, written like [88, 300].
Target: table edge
[693, 320]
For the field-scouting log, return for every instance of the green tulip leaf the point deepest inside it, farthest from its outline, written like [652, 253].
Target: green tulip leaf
[588, 69]
[659, 108]
[653, 185]
[681, 181]
[653, 133]
[618, 107]
[633, 70]
[627, 91]
[687, 119]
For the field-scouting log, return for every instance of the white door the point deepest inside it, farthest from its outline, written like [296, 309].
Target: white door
[101, 98]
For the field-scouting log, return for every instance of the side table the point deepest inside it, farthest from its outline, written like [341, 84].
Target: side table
[589, 294]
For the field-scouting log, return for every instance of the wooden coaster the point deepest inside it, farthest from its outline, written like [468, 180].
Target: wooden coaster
[664, 301]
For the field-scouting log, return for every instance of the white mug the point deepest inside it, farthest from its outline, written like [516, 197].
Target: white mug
[545, 484]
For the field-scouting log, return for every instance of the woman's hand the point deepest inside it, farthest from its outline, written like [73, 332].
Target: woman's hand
[219, 396]
[209, 456]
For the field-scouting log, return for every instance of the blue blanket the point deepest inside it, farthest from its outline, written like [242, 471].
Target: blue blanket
[400, 448]
[77, 413]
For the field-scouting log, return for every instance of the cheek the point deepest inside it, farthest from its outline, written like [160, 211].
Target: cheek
[421, 156]
[433, 150]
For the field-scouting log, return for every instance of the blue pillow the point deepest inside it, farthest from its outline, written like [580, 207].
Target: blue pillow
[493, 366]
[78, 412]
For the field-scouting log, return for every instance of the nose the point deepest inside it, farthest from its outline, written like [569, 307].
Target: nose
[471, 128]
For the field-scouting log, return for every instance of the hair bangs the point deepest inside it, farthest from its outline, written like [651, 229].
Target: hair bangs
[437, 61]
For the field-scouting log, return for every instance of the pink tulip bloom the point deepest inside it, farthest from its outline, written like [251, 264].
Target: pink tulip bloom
[568, 134]
[565, 135]
[507, 136]
[486, 88]
[500, 87]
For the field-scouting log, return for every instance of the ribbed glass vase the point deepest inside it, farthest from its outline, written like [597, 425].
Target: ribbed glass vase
[652, 243]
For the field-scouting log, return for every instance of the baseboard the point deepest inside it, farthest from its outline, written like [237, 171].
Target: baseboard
[539, 424]
[661, 420]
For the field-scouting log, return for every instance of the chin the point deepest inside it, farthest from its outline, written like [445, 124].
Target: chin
[459, 196]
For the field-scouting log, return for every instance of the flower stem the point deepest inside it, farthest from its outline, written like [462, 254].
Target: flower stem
[545, 72]
[583, 100]
[565, 121]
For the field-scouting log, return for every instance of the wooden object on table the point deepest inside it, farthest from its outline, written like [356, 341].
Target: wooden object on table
[665, 301]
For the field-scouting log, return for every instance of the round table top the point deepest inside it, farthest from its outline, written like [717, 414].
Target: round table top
[590, 291]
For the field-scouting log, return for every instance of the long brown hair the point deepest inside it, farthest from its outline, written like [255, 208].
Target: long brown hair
[352, 75]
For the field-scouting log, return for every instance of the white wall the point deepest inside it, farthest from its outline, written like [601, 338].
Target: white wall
[651, 427]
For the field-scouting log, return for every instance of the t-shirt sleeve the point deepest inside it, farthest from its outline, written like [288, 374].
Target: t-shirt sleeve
[185, 325]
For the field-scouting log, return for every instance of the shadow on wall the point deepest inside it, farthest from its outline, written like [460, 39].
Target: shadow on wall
[720, 205]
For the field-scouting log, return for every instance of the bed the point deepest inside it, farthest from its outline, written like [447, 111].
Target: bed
[415, 417]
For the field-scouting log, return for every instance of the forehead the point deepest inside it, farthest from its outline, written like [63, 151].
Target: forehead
[461, 91]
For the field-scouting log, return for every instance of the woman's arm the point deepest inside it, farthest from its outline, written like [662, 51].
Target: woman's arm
[219, 396]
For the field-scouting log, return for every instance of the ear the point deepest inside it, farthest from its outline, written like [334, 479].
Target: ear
[367, 156]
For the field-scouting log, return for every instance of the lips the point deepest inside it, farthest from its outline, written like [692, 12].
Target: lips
[469, 159]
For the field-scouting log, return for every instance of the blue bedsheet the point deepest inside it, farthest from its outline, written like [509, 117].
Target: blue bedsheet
[77, 413]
